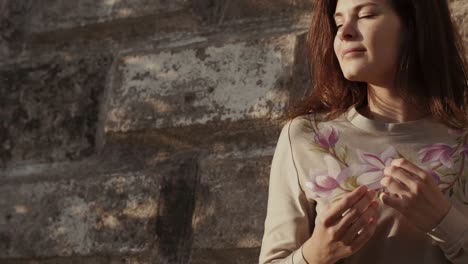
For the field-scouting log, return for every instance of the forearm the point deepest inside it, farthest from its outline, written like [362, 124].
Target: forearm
[452, 236]
[295, 257]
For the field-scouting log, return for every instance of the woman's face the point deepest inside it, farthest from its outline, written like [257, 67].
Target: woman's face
[367, 40]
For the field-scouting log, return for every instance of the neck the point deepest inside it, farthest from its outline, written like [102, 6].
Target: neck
[385, 105]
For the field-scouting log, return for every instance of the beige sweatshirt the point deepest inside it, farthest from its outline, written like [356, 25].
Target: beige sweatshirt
[353, 150]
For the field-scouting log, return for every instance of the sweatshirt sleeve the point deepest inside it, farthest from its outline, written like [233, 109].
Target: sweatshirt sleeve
[289, 213]
[452, 232]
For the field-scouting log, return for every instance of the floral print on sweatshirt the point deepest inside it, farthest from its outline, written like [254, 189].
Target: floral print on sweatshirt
[438, 159]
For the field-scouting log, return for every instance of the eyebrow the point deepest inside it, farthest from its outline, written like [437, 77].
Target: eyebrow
[338, 14]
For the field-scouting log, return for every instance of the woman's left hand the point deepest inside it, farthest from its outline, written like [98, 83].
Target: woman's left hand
[415, 194]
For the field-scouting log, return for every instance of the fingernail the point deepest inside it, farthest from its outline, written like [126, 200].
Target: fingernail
[381, 196]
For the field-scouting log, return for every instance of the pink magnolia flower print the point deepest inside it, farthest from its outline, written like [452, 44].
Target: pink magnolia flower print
[464, 150]
[436, 154]
[326, 137]
[367, 168]
[323, 182]
[370, 172]
[378, 161]
[359, 175]
[436, 176]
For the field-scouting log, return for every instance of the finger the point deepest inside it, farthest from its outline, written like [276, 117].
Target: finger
[413, 169]
[360, 223]
[364, 236]
[394, 186]
[397, 203]
[353, 214]
[402, 176]
[363, 203]
[348, 219]
[412, 184]
[336, 212]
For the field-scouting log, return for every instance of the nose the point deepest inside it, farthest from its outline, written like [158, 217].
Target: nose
[347, 31]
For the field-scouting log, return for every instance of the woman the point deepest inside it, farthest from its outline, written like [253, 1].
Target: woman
[370, 168]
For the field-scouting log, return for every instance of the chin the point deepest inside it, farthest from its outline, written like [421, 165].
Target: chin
[354, 74]
[354, 77]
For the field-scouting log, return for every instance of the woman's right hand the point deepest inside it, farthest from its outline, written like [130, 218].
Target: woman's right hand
[340, 232]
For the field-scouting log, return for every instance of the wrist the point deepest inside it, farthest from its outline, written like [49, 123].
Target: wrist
[310, 256]
[444, 212]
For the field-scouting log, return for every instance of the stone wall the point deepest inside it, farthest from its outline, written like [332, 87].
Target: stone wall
[142, 131]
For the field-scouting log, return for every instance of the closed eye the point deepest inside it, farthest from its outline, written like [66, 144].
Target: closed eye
[368, 16]
[364, 16]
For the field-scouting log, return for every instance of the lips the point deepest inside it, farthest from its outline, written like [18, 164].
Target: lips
[349, 50]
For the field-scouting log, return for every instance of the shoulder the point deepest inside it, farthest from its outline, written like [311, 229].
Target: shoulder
[298, 126]
[304, 125]
[298, 130]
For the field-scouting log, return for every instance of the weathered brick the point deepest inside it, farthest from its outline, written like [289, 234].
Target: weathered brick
[229, 202]
[220, 11]
[79, 217]
[13, 20]
[147, 211]
[459, 9]
[221, 138]
[58, 14]
[196, 85]
[88, 260]
[50, 110]
[225, 256]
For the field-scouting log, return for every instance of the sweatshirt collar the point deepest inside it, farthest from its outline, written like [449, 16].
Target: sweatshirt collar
[378, 126]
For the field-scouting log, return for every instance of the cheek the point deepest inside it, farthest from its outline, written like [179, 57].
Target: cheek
[336, 48]
[386, 44]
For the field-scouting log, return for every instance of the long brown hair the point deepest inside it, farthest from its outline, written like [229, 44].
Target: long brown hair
[431, 65]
